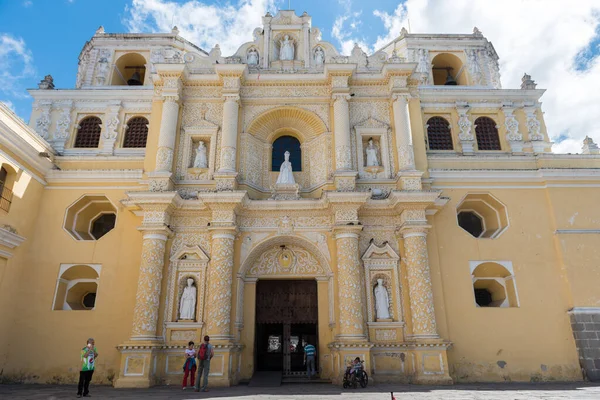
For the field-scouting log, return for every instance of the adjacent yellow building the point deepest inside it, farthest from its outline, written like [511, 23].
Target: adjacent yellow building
[420, 221]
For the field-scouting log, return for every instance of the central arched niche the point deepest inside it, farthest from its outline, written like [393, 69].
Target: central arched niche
[256, 167]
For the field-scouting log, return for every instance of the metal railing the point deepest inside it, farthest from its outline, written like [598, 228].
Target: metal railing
[6, 198]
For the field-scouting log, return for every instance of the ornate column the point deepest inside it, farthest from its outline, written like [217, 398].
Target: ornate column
[229, 137]
[267, 40]
[147, 300]
[350, 277]
[168, 133]
[341, 134]
[406, 158]
[63, 126]
[419, 281]
[220, 275]
[160, 178]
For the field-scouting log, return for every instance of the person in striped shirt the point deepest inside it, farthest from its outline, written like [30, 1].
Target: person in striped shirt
[310, 353]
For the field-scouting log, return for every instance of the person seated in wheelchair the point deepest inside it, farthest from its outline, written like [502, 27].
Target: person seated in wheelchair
[353, 368]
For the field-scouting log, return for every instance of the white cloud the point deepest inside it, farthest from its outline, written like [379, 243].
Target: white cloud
[204, 25]
[27, 3]
[540, 37]
[345, 28]
[16, 63]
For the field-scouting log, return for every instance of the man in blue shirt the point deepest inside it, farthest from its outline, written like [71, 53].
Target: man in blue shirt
[310, 353]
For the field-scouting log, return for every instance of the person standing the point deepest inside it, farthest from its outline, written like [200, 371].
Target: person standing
[189, 368]
[205, 354]
[310, 353]
[89, 354]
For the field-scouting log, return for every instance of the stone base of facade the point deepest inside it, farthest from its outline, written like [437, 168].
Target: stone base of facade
[146, 365]
[585, 322]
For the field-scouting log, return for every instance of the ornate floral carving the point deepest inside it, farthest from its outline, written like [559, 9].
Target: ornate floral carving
[112, 123]
[183, 336]
[228, 158]
[164, 159]
[512, 125]
[464, 124]
[385, 335]
[220, 275]
[42, 123]
[274, 262]
[533, 125]
[145, 314]
[474, 68]
[63, 125]
[350, 286]
[343, 157]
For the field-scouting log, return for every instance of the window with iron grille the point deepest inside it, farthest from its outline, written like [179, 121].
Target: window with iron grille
[88, 134]
[487, 134]
[439, 136]
[136, 133]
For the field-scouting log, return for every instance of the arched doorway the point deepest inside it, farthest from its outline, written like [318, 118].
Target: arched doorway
[285, 290]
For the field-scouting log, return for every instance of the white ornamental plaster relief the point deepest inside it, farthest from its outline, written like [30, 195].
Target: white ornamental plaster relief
[42, 123]
[298, 262]
[194, 113]
[203, 92]
[512, 125]
[220, 271]
[63, 125]
[318, 152]
[253, 111]
[248, 92]
[464, 124]
[385, 335]
[183, 336]
[371, 91]
[249, 242]
[533, 125]
[190, 239]
[188, 221]
[272, 222]
[251, 160]
[350, 287]
[112, 124]
[379, 237]
[320, 240]
[475, 68]
[145, 316]
[164, 159]
[362, 111]
[419, 283]
[102, 67]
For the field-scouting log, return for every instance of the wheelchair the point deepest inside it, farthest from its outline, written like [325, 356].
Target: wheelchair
[359, 377]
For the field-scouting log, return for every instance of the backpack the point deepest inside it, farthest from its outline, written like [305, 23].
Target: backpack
[202, 352]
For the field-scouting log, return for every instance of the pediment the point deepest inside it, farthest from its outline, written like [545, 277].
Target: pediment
[372, 123]
[190, 253]
[202, 125]
[384, 252]
[286, 17]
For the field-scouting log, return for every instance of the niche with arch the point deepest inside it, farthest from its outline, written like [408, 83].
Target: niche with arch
[494, 284]
[77, 287]
[449, 70]
[280, 146]
[129, 70]
[482, 215]
[90, 218]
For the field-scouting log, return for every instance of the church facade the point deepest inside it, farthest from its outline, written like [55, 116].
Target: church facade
[401, 207]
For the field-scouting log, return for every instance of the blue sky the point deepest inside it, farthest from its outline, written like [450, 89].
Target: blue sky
[558, 46]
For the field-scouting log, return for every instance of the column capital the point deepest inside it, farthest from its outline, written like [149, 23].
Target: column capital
[402, 97]
[413, 230]
[160, 233]
[231, 97]
[340, 96]
[224, 232]
[347, 231]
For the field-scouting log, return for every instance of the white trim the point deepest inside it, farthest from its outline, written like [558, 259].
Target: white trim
[584, 310]
[37, 177]
[506, 264]
[409, 234]
[343, 235]
[159, 236]
[10, 239]
[125, 373]
[88, 176]
[577, 231]
[531, 175]
[95, 188]
[95, 217]
[229, 236]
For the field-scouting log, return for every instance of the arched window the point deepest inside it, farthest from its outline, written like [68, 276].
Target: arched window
[136, 132]
[280, 146]
[487, 134]
[438, 134]
[494, 284]
[88, 133]
[5, 191]
[77, 287]
[448, 70]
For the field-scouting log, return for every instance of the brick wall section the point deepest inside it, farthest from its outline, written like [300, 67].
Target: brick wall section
[586, 330]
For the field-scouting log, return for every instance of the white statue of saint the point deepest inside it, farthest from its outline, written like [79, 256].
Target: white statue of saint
[200, 161]
[382, 301]
[285, 172]
[187, 306]
[286, 51]
[371, 151]
[252, 56]
[319, 56]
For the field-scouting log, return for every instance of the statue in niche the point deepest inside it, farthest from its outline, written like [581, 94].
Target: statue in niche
[286, 49]
[187, 305]
[252, 57]
[200, 161]
[382, 301]
[371, 151]
[286, 176]
[319, 56]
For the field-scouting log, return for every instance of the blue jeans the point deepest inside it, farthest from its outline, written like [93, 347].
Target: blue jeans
[310, 366]
[203, 369]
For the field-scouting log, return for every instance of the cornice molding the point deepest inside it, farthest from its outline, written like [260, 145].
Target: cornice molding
[9, 239]
[98, 175]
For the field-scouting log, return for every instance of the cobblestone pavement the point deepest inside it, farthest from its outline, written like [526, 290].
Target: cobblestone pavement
[513, 391]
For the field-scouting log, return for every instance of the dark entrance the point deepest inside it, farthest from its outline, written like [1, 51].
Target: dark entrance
[286, 319]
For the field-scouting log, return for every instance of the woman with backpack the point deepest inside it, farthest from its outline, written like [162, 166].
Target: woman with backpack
[205, 354]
